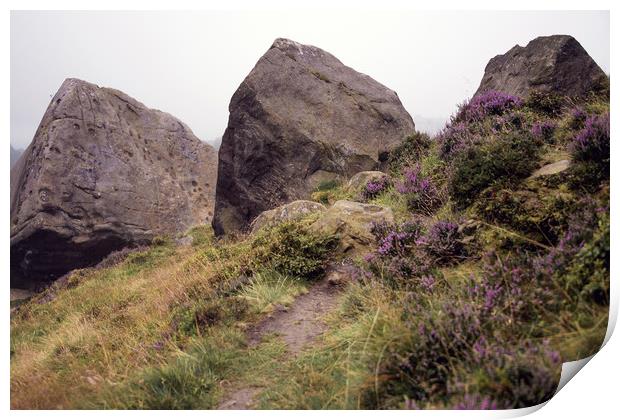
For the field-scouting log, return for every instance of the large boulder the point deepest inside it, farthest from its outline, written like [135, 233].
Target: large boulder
[556, 63]
[351, 222]
[300, 118]
[290, 211]
[103, 172]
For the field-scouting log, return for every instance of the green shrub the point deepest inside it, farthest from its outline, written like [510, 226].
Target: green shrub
[409, 152]
[290, 248]
[591, 152]
[191, 381]
[201, 235]
[328, 192]
[456, 348]
[545, 103]
[539, 213]
[505, 160]
[588, 275]
[586, 176]
[269, 288]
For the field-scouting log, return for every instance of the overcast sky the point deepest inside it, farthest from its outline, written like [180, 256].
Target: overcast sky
[190, 63]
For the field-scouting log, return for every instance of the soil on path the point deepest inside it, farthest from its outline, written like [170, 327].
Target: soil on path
[298, 326]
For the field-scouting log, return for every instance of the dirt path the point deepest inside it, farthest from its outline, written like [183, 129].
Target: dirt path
[298, 326]
[240, 399]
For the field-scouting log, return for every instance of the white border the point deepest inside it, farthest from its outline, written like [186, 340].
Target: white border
[592, 394]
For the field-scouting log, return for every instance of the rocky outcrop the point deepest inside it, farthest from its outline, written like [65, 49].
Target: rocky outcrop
[103, 172]
[351, 222]
[286, 212]
[555, 63]
[299, 118]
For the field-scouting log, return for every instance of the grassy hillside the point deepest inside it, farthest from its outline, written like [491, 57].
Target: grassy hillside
[495, 272]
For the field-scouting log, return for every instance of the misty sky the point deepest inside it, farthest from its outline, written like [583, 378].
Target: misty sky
[190, 63]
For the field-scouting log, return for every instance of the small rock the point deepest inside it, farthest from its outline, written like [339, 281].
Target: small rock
[183, 241]
[290, 211]
[280, 308]
[337, 275]
[552, 168]
[352, 222]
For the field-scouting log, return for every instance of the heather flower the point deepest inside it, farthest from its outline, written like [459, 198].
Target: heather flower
[476, 402]
[506, 123]
[491, 294]
[428, 283]
[543, 130]
[449, 334]
[487, 293]
[463, 131]
[395, 259]
[580, 229]
[481, 349]
[375, 187]
[393, 242]
[360, 275]
[580, 261]
[412, 181]
[442, 242]
[578, 118]
[529, 371]
[411, 404]
[422, 195]
[454, 138]
[592, 142]
[503, 290]
[553, 356]
[395, 239]
[458, 332]
[488, 103]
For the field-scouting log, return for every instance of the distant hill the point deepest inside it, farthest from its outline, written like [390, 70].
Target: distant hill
[429, 125]
[15, 154]
[215, 142]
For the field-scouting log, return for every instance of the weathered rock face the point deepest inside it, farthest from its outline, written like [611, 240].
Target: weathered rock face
[103, 172]
[285, 212]
[351, 222]
[299, 118]
[555, 63]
